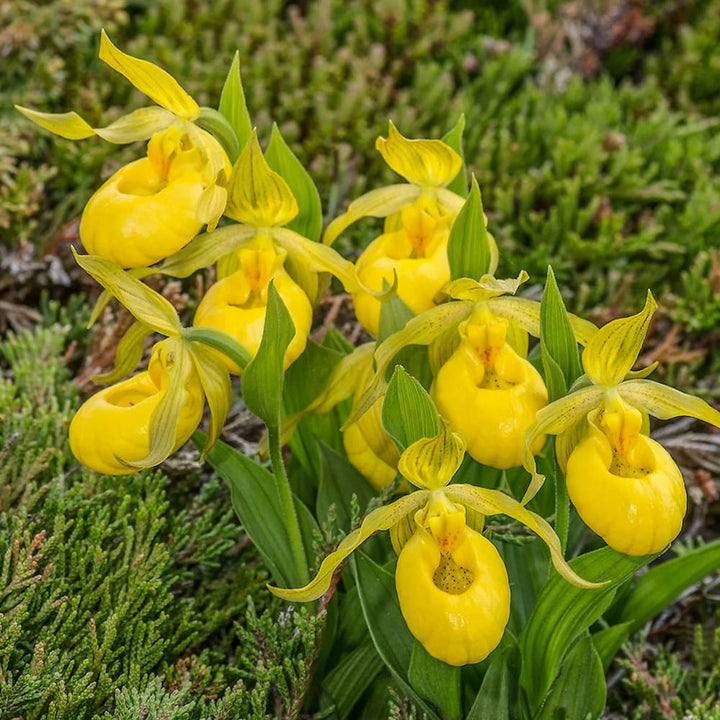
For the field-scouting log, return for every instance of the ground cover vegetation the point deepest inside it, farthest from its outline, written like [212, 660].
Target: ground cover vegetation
[592, 130]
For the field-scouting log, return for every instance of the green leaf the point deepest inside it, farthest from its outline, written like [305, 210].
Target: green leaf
[436, 681]
[394, 315]
[218, 126]
[308, 221]
[453, 138]
[579, 692]
[408, 413]
[351, 677]
[305, 380]
[262, 382]
[255, 498]
[662, 585]
[497, 699]
[564, 612]
[233, 106]
[609, 640]
[339, 481]
[557, 341]
[389, 633]
[469, 250]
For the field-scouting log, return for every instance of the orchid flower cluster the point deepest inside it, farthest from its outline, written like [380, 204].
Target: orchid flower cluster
[206, 195]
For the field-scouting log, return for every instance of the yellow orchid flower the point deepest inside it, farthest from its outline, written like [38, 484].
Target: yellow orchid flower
[141, 421]
[451, 582]
[111, 432]
[262, 203]
[625, 486]
[237, 304]
[151, 208]
[419, 216]
[484, 387]
[488, 392]
[160, 201]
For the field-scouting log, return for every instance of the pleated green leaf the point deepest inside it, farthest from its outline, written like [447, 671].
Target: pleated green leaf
[308, 221]
[408, 413]
[233, 106]
[263, 379]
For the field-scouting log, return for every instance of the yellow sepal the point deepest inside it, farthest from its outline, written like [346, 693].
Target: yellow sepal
[664, 402]
[377, 203]
[430, 463]
[128, 354]
[145, 304]
[494, 502]
[257, 195]
[554, 419]
[614, 348]
[320, 258]
[382, 518]
[137, 125]
[422, 162]
[151, 80]
[215, 380]
[420, 330]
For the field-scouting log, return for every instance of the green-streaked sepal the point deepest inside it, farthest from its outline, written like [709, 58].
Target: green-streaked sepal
[128, 355]
[408, 413]
[308, 221]
[321, 258]
[471, 250]
[454, 139]
[206, 249]
[431, 462]
[493, 502]
[420, 330]
[263, 377]
[664, 402]
[151, 80]
[144, 304]
[215, 380]
[382, 518]
[233, 106]
[558, 345]
[138, 125]
[257, 195]
[554, 419]
[427, 163]
[377, 203]
[164, 420]
[613, 350]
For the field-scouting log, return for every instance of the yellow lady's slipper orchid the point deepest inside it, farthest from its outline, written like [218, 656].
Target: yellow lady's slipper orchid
[488, 393]
[416, 254]
[197, 182]
[138, 423]
[261, 202]
[418, 216]
[237, 304]
[625, 486]
[452, 585]
[150, 208]
[111, 432]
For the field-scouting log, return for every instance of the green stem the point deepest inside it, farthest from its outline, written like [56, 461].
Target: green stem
[288, 505]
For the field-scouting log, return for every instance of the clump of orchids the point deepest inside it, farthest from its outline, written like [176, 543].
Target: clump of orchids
[458, 442]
